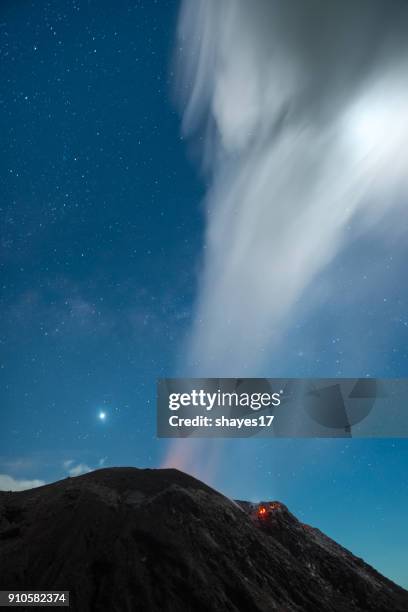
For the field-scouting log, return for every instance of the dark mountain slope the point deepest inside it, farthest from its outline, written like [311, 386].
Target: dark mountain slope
[126, 539]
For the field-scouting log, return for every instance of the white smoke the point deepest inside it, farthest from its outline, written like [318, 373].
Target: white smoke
[301, 111]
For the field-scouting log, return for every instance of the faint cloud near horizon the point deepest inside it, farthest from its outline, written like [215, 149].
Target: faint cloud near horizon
[8, 483]
[71, 468]
[77, 469]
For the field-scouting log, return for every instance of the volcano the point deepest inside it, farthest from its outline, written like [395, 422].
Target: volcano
[124, 539]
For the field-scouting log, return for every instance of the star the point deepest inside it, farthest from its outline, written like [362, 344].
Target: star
[102, 416]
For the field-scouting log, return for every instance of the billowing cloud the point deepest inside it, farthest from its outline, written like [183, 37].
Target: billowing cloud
[301, 112]
[8, 483]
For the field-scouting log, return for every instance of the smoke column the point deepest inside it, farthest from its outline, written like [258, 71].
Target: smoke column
[302, 112]
[299, 109]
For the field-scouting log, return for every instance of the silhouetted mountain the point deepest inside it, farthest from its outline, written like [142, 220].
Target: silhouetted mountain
[123, 539]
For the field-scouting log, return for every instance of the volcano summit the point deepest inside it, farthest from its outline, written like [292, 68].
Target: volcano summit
[124, 539]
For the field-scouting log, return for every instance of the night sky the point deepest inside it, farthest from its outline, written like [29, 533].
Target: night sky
[102, 234]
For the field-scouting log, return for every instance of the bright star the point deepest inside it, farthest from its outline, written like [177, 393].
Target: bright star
[102, 415]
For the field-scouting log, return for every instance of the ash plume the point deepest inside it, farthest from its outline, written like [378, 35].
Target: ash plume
[300, 114]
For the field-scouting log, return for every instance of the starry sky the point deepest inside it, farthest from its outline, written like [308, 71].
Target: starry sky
[102, 232]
